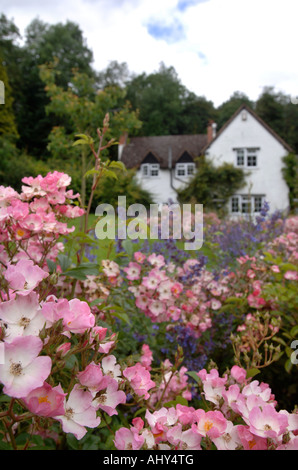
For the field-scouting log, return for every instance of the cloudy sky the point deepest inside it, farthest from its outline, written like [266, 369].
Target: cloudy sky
[217, 47]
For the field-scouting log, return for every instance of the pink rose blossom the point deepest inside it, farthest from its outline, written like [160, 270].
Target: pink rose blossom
[22, 316]
[139, 379]
[109, 400]
[93, 378]
[291, 275]
[133, 271]
[229, 440]
[46, 401]
[54, 309]
[239, 374]
[79, 413]
[215, 304]
[186, 440]
[291, 445]
[128, 439]
[24, 370]
[267, 422]
[139, 257]
[156, 260]
[147, 357]
[213, 385]
[24, 276]
[210, 423]
[251, 441]
[79, 318]
[111, 368]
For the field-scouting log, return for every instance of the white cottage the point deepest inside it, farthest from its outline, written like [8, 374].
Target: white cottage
[249, 143]
[163, 163]
[166, 163]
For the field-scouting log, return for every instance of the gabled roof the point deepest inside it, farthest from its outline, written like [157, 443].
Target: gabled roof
[263, 123]
[161, 147]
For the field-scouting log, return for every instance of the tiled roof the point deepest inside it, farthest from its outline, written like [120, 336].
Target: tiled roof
[161, 147]
[249, 110]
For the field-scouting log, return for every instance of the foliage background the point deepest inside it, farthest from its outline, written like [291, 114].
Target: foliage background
[53, 92]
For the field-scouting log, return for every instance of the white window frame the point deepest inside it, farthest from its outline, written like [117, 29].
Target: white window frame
[148, 170]
[184, 167]
[246, 155]
[239, 200]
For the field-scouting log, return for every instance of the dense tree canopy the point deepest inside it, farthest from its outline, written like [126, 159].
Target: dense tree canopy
[42, 113]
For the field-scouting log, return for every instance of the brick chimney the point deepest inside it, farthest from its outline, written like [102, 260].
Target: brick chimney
[211, 131]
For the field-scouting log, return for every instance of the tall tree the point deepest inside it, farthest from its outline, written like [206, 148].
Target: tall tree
[229, 107]
[280, 113]
[43, 42]
[83, 109]
[196, 112]
[64, 42]
[115, 74]
[158, 97]
[270, 107]
[8, 127]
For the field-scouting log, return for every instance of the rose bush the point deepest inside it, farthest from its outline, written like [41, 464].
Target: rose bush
[148, 350]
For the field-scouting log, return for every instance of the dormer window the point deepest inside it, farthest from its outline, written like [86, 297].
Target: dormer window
[184, 169]
[150, 170]
[150, 166]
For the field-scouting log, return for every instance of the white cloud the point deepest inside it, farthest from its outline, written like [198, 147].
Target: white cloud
[226, 45]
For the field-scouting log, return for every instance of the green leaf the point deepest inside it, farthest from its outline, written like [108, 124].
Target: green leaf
[4, 398]
[84, 238]
[288, 365]
[194, 376]
[288, 267]
[178, 401]
[118, 164]
[5, 446]
[51, 265]
[83, 136]
[92, 172]
[128, 246]
[82, 271]
[96, 302]
[279, 340]
[139, 412]
[121, 315]
[294, 330]
[71, 362]
[252, 372]
[64, 261]
[91, 443]
[109, 174]
[72, 441]
[84, 139]
[80, 142]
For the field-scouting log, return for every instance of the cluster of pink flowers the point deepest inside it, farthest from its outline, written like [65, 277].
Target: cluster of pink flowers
[34, 219]
[287, 243]
[162, 293]
[59, 361]
[37, 335]
[242, 414]
[39, 332]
